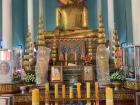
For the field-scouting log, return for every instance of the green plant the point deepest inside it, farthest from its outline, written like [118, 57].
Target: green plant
[116, 76]
[16, 76]
[30, 78]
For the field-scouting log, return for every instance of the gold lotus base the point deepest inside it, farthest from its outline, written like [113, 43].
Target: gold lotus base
[132, 84]
[9, 88]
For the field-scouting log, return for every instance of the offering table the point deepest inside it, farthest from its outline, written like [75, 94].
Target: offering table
[121, 97]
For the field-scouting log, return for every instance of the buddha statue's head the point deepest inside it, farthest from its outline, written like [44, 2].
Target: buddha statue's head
[72, 1]
[67, 2]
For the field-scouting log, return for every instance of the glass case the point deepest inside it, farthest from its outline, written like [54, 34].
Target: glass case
[5, 66]
[131, 62]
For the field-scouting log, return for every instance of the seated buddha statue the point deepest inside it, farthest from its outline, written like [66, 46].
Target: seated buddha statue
[72, 20]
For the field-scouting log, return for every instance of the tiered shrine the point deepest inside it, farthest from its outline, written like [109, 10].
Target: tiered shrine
[71, 64]
[72, 42]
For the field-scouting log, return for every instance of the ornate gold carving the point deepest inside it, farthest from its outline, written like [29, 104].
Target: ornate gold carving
[72, 34]
[101, 34]
[41, 32]
[131, 84]
[28, 55]
[54, 53]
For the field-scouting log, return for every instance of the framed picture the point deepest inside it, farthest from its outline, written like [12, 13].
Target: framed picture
[88, 73]
[56, 74]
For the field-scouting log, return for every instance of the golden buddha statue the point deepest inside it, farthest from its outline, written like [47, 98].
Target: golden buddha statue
[72, 23]
[74, 16]
[72, 20]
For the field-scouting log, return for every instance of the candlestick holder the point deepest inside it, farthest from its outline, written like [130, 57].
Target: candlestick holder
[23, 89]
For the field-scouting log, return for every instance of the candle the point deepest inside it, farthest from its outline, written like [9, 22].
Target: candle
[97, 93]
[63, 91]
[88, 89]
[78, 90]
[109, 96]
[47, 91]
[35, 97]
[71, 92]
[96, 90]
[56, 91]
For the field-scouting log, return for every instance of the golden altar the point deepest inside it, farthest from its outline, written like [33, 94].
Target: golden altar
[71, 41]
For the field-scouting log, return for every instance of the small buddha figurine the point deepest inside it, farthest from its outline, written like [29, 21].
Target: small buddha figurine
[72, 20]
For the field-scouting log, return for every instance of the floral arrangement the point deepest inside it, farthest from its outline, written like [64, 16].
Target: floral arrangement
[30, 78]
[16, 76]
[116, 76]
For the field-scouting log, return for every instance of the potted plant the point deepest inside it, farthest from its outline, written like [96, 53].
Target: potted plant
[17, 77]
[116, 79]
[30, 79]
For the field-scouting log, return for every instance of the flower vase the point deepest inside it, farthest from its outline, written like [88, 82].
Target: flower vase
[117, 85]
[30, 87]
